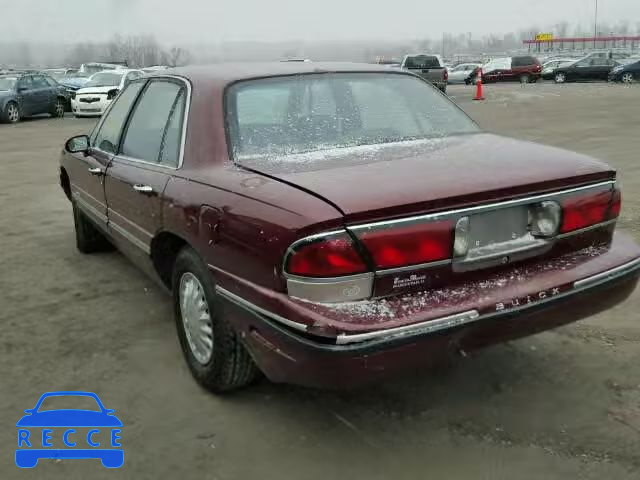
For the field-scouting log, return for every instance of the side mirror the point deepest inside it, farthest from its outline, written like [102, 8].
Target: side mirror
[77, 144]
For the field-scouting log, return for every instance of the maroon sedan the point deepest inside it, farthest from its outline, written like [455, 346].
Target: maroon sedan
[328, 224]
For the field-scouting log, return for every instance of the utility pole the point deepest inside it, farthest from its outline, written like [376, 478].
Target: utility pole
[595, 26]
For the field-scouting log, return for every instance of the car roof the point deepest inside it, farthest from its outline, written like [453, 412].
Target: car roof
[226, 73]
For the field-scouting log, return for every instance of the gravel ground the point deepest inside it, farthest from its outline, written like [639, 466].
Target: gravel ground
[560, 405]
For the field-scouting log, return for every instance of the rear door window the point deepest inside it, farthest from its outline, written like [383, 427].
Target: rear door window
[26, 82]
[145, 132]
[39, 82]
[108, 134]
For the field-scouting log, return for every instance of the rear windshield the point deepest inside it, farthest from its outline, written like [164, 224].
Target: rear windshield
[422, 61]
[104, 79]
[308, 113]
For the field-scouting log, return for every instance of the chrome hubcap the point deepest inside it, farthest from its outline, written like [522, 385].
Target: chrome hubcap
[560, 78]
[59, 109]
[12, 113]
[627, 78]
[196, 318]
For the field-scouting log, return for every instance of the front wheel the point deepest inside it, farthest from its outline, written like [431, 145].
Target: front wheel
[560, 78]
[88, 238]
[215, 355]
[627, 77]
[524, 79]
[11, 113]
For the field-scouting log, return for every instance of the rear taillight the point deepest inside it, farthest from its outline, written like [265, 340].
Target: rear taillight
[401, 246]
[445, 75]
[616, 204]
[587, 210]
[330, 256]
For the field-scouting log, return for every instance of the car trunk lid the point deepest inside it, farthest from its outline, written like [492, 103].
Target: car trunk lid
[381, 182]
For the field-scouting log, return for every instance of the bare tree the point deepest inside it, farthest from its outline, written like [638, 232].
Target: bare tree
[178, 56]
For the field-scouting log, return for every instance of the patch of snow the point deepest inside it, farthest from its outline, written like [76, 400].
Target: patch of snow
[384, 309]
[327, 152]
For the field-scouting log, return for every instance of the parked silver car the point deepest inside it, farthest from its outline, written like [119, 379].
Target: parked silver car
[460, 73]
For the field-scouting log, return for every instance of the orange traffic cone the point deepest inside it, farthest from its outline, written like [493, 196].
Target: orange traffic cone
[479, 92]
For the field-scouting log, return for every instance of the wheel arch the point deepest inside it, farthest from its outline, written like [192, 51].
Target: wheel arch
[65, 183]
[165, 247]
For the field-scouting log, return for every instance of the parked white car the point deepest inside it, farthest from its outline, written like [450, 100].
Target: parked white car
[95, 67]
[98, 93]
[460, 73]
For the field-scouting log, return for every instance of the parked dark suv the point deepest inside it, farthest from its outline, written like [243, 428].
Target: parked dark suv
[25, 94]
[525, 69]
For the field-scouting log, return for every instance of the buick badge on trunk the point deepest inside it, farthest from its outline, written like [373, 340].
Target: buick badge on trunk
[331, 224]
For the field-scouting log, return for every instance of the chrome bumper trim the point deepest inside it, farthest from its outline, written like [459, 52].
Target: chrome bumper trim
[232, 297]
[429, 326]
[608, 275]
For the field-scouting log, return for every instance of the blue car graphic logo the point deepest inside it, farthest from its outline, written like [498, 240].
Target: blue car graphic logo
[84, 433]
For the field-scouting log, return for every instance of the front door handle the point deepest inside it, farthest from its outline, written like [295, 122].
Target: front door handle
[96, 171]
[143, 188]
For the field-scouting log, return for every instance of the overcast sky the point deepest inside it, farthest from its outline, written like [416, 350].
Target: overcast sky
[271, 20]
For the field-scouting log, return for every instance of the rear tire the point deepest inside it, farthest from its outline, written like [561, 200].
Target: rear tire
[88, 238]
[58, 109]
[229, 365]
[11, 113]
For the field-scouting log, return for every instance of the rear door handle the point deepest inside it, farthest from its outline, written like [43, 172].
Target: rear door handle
[96, 171]
[143, 188]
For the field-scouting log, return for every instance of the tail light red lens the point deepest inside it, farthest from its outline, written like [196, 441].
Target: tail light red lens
[616, 204]
[586, 210]
[445, 75]
[400, 246]
[331, 256]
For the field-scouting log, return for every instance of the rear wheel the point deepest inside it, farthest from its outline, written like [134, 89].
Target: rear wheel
[215, 355]
[88, 238]
[11, 113]
[560, 78]
[627, 77]
[524, 79]
[58, 109]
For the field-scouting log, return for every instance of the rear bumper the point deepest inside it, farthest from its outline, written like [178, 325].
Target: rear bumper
[292, 357]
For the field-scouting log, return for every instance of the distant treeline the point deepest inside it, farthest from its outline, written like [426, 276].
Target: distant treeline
[146, 50]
